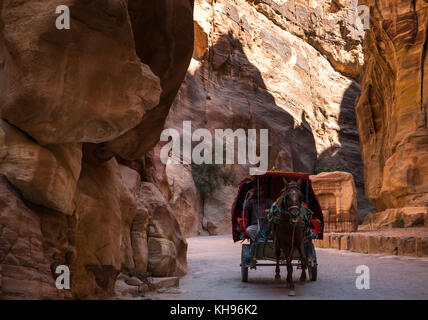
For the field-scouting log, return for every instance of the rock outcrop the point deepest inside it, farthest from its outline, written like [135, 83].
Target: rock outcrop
[33, 241]
[54, 76]
[396, 218]
[184, 197]
[166, 246]
[337, 195]
[77, 107]
[329, 26]
[45, 175]
[287, 66]
[392, 109]
[98, 235]
[216, 218]
[163, 33]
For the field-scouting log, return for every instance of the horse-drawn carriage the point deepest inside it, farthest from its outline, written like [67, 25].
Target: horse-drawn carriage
[270, 244]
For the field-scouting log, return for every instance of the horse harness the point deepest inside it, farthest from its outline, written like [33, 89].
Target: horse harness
[275, 220]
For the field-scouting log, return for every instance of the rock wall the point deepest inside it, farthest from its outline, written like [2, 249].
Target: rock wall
[166, 246]
[76, 108]
[33, 241]
[329, 26]
[284, 65]
[392, 109]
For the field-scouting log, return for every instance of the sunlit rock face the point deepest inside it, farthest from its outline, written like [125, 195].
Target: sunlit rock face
[75, 106]
[284, 65]
[392, 109]
[406, 217]
[329, 26]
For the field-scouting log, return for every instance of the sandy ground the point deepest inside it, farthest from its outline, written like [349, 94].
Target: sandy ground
[214, 273]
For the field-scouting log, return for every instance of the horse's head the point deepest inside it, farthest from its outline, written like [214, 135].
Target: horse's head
[292, 198]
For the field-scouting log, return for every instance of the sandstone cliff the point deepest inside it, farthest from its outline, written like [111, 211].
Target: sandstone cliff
[392, 109]
[75, 106]
[81, 110]
[286, 66]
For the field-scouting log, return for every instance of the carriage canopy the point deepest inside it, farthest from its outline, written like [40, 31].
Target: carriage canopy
[272, 182]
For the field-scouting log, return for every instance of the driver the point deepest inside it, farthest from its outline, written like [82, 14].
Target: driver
[256, 209]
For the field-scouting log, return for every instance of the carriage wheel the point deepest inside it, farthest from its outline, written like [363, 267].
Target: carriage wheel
[314, 272]
[244, 267]
[244, 274]
[312, 265]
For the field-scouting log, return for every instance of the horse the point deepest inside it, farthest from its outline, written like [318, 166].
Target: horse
[289, 231]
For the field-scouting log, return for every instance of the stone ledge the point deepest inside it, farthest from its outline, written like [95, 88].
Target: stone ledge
[132, 287]
[414, 246]
[396, 218]
[165, 283]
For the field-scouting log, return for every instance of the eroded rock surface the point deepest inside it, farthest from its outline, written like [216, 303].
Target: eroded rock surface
[98, 236]
[287, 66]
[184, 197]
[53, 77]
[392, 109]
[329, 26]
[163, 32]
[166, 245]
[216, 218]
[396, 218]
[45, 175]
[77, 108]
[33, 242]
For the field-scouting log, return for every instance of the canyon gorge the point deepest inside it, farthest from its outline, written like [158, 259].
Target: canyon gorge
[82, 110]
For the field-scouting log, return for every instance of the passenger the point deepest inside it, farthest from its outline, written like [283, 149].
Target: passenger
[256, 209]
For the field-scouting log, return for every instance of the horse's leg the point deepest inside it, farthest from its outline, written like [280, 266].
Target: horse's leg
[291, 246]
[277, 269]
[290, 276]
[286, 247]
[303, 258]
[282, 244]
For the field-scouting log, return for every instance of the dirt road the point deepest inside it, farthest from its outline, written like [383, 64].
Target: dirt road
[214, 273]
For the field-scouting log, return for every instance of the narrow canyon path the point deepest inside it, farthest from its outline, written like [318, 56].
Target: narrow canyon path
[214, 273]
